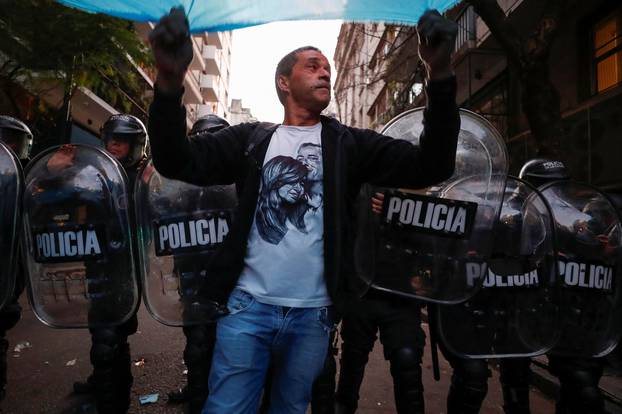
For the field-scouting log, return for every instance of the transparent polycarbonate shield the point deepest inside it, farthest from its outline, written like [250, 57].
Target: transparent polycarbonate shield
[181, 226]
[432, 244]
[11, 186]
[77, 239]
[515, 314]
[589, 241]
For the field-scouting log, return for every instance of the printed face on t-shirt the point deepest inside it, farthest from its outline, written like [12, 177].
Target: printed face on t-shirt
[310, 155]
[291, 192]
[291, 195]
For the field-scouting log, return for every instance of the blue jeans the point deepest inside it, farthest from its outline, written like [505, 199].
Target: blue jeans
[255, 335]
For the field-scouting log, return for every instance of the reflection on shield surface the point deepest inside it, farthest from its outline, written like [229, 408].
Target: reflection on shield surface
[432, 244]
[515, 314]
[589, 249]
[11, 186]
[77, 238]
[181, 226]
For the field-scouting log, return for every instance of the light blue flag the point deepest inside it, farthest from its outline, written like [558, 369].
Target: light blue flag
[219, 15]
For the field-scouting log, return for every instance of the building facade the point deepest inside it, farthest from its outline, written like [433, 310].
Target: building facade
[378, 73]
[206, 91]
[207, 80]
[238, 114]
[585, 66]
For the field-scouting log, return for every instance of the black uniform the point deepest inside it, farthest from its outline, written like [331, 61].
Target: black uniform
[399, 322]
[578, 377]
[18, 137]
[200, 339]
[112, 379]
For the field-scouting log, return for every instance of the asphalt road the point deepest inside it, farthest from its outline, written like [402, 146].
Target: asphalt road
[41, 375]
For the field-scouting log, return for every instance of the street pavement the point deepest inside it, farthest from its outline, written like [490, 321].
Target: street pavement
[41, 374]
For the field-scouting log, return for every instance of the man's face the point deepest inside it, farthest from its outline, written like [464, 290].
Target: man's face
[311, 157]
[309, 82]
[118, 148]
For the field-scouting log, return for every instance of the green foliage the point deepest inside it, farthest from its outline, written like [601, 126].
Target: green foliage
[43, 40]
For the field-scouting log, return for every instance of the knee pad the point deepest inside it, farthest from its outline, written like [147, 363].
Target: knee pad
[105, 346]
[129, 327]
[405, 363]
[515, 376]
[469, 386]
[580, 392]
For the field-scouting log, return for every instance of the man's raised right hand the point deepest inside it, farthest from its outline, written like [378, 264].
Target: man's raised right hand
[172, 50]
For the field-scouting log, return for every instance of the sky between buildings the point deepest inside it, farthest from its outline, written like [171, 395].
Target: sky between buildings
[256, 51]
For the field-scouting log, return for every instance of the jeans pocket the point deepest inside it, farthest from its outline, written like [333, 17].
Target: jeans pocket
[239, 301]
[326, 318]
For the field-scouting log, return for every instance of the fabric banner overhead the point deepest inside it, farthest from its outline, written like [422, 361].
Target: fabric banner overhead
[220, 15]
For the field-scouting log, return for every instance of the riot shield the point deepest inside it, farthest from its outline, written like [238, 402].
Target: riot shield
[180, 227]
[515, 314]
[11, 187]
[589, 241]
[432, 244]
[77, 239]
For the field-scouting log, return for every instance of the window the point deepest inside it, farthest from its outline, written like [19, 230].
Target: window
[607, 52]
[466, 27]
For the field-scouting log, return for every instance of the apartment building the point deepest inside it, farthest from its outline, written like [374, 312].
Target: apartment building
[238, 114]
[585, 66]
[207, 80]
[377, 66]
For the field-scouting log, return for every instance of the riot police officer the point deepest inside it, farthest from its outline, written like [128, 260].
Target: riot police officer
[578, 376]
[17, 136]
[469, 381]
[200, 339]
[125, 138]
[398, 320]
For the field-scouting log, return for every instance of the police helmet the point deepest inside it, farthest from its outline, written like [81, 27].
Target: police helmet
[540, 171]
[16, 135]
[130, 129]
[208, 123]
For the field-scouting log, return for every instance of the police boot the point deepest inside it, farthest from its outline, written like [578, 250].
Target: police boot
[469, 385]
[353, 361]
[515, 378]
[407, 385]
[84, 387]
[198, 357]
[104, 351]
[4, 346]
[123, 376]
[323, 393]
[9, 316]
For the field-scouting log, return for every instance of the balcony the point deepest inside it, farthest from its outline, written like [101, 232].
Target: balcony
[197, 58]
[211, 59]
[209, 87]
[193, 93]
[213, 39]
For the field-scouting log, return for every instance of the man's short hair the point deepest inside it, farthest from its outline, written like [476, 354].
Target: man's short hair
[285, 66]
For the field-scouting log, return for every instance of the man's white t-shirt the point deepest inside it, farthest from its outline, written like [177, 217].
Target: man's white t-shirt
[284, 263]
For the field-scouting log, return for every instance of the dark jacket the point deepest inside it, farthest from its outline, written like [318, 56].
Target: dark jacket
[351, 157]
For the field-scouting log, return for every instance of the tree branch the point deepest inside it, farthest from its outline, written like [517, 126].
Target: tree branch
[504, 33]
